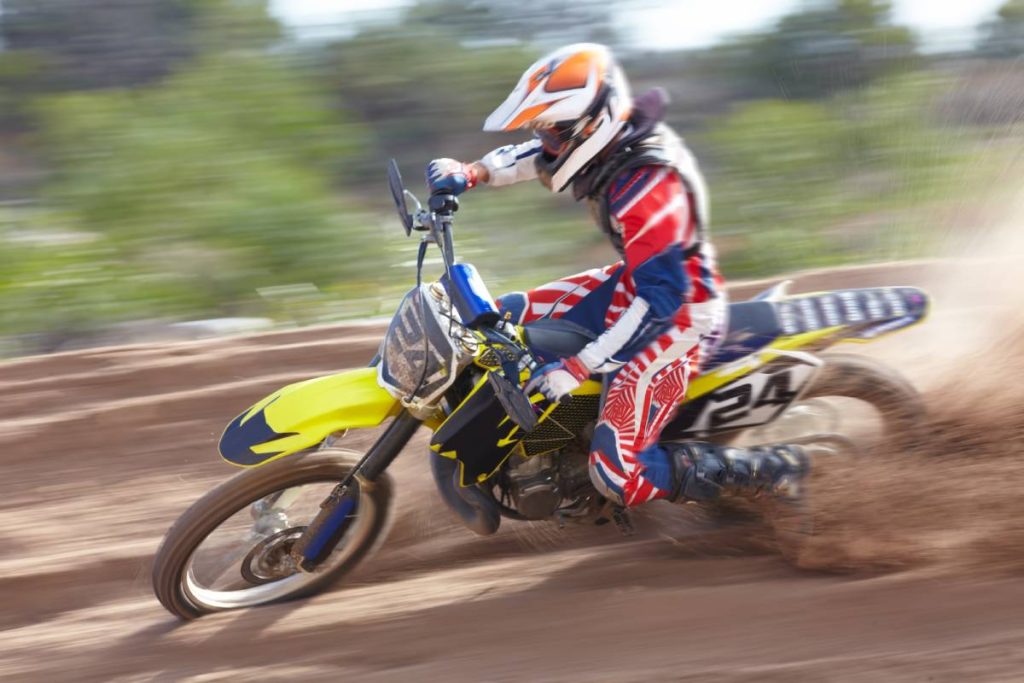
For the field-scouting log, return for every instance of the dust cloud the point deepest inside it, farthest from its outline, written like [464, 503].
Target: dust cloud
[952, 500]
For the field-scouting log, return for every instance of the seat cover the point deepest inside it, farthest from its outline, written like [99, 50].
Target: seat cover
[752, 326]
[554, 338]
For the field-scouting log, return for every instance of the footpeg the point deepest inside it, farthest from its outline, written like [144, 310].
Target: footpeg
[611, 512]
[623, 520]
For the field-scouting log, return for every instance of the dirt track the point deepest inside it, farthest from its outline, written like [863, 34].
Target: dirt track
[103, 449]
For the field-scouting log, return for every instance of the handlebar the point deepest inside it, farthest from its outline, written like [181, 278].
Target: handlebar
[443, 204]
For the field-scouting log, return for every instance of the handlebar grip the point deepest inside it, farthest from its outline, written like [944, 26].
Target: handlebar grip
[443, 203]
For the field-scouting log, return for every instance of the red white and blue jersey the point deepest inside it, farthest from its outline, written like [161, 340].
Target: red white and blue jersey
[658, 313]
[658, 216]
[668, 261]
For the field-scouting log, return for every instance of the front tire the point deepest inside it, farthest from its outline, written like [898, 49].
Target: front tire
[173, 574]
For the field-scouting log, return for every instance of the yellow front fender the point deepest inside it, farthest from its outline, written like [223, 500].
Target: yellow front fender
[303, 414]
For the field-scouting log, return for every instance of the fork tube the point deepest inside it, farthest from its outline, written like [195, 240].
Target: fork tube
[327, 528]
[387, 448]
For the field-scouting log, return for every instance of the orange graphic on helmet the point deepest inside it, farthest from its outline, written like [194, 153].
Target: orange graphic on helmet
[576, 100]
[575, 71]
[529, 114]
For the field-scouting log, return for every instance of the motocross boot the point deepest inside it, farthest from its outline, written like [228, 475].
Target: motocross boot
[704, 471]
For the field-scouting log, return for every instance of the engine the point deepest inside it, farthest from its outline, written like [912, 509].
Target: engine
[535, 487]
[543, 484]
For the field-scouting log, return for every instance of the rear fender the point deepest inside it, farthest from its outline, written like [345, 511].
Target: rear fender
[303, 414]
[860, 315]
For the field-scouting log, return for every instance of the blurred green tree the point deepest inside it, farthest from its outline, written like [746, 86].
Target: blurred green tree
[53, 46]
[1003, 36]
[539, 23]
[422, 99]
[822, 49]
[205, 188]
[85, 44]
[816, 183]
[96, 43]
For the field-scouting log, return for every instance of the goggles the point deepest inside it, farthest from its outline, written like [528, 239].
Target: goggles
[556, 138]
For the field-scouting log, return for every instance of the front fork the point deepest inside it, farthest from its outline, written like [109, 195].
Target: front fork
[322, 535]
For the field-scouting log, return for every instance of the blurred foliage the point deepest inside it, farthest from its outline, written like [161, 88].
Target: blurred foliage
[175, 159]
[95, 43]
[820, 50]
[421, 98]
[85, 44]
[1003, 37]
[200, 191]
[829, 179]
[540, 23]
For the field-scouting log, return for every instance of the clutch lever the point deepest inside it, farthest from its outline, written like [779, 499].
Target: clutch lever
[514, 401]
[506, 383]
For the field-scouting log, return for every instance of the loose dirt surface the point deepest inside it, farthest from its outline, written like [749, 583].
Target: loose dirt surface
[915, 575]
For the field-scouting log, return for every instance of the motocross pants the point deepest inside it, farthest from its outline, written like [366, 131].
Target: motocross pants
[627, 465]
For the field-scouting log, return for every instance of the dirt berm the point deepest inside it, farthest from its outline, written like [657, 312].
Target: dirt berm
[915, 575]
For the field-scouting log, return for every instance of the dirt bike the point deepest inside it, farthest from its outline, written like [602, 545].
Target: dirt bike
[305, 511]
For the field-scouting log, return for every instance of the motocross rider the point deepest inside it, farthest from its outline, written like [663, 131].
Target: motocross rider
[659, 312]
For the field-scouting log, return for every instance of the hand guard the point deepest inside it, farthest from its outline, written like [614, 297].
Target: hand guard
[557, 380]
[448, 176]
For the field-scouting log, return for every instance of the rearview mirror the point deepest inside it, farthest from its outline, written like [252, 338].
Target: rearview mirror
[398, 194]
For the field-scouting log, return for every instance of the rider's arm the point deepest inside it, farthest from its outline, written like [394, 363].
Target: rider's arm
[509, 164]
[503, 166]
[653, 208]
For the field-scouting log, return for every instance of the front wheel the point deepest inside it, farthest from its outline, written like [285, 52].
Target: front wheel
[232, 548]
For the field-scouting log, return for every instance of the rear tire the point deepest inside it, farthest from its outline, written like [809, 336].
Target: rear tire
[173, 559]
[859, 377]
[844, 375]
[897, 402]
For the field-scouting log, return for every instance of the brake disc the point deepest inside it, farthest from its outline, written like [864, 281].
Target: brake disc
[271, 559]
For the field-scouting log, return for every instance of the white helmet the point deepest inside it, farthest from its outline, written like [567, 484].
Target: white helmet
[577, 101]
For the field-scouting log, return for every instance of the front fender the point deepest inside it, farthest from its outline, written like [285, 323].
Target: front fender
[303, 414]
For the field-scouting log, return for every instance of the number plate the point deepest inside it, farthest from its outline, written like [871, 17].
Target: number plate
[751, 400]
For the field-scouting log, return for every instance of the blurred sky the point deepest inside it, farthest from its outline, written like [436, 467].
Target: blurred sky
[943, 24]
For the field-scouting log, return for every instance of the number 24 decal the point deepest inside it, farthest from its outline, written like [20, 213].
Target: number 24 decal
[754, 399]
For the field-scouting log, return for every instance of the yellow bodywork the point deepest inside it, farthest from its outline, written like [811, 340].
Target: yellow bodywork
[721, 376]
[303, 414]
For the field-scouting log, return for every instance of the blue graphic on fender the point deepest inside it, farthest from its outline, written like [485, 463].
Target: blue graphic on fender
[242, 434]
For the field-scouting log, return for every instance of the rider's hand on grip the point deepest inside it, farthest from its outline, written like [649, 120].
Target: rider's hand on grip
[558, 380]
[448, 176]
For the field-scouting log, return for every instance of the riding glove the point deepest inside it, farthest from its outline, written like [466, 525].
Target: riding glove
[558, 380]
[448, 176]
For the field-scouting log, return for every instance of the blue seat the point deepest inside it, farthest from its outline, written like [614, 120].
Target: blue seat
[752, 326]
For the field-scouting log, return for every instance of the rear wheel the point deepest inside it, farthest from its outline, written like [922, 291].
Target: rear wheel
[854, 403]
[232, 548]
[855, 407]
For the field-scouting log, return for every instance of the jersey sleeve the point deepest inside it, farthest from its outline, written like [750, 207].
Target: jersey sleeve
[651, 206]
[512, 163]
